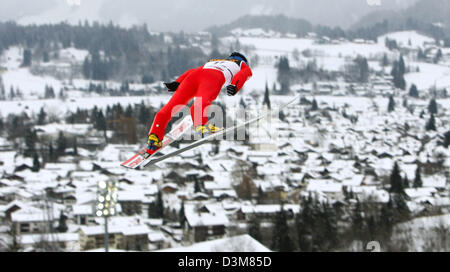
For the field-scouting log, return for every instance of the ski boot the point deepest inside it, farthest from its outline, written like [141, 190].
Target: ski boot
[153, 144]
[205, 130]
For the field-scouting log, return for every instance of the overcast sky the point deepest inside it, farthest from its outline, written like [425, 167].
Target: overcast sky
[190, 15]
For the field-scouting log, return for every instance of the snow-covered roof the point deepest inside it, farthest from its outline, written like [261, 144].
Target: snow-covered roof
[196, 218]
[29, 239]
[242, 243]
[130, 195]
[420, 192]
[82, 210]
[325, 186]
[219, 193]
[156, 236]
[269, 208]
[436, 181]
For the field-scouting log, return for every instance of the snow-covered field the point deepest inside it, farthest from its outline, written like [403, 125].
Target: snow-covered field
[280, 46]
[407, 39]
[430, 75]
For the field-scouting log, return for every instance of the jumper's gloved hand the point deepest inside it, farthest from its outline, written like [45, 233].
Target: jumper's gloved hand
[231, 90]
[172, 86]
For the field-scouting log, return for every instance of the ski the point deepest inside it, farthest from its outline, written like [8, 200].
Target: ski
[216, 135]
[177, 132]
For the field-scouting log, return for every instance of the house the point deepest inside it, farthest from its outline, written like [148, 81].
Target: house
[330, 188]
[202, 224]
[131, 201]
[83, 214]
[33, 220]
[224, 194]
[272, 191]
[124, 237]
[55, 241]
[169, 188]
[157, 240]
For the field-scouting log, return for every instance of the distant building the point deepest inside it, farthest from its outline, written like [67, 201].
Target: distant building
[202, 224]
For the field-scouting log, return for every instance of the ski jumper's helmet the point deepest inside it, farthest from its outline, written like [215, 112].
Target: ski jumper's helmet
[238, 56]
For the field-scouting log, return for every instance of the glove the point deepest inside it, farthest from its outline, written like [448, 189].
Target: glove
[172, 86]
[231, 90]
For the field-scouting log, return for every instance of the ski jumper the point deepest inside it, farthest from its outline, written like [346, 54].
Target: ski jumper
[204, 84]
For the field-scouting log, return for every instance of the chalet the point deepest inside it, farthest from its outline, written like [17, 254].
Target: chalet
[157, 240]
[83, 214]
[272, 192]
[328, 187]
[32, 220]
[202, 224]
[169, 188]
[224, 194]
[174, 177]
[200, 196]
[57, 241]
[130, 201]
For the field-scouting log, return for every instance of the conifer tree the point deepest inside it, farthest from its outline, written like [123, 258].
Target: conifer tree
[159, 205]
[432, 107]
[304, 223]
[396, 181]
[438, 56]
[406, 182]
[266, 97]
[182, 215]
[413, 92]
[281, 240]
[358, 220]
[26, 62]
[62, 225]
[386, 219]
[254, 228]
[418, 178]
[61, 144]
[36, 164]
[41, 117]
[30, 142]
[391, 105]
[431, 124]
[75, 146]
[51, 152]
[314, 106]
[197, 188]
[446, 139]
[331, 228]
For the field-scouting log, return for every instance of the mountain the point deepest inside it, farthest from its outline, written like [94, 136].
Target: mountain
[428, 16]
[279, 23]
[424, 11]
[188, 15]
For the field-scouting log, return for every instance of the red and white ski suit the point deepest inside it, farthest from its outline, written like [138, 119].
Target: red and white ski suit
[204, 82]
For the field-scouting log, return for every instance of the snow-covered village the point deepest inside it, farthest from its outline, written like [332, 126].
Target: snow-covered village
[359, 155]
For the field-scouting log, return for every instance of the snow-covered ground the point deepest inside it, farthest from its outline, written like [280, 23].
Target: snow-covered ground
[282, 46]
[430, 75]
[407, 39]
